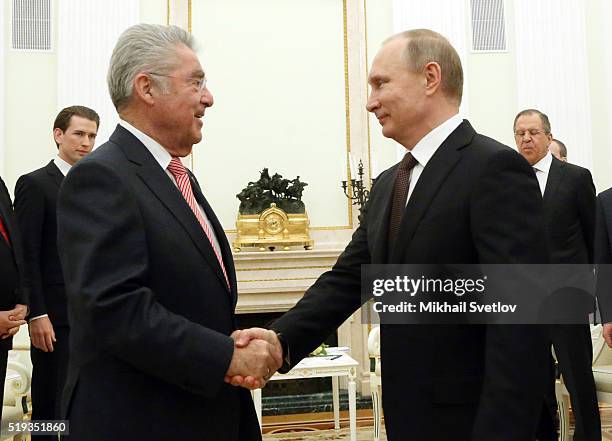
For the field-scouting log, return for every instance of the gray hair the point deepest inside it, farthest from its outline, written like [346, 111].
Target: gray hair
[543, 118]
[143, 48]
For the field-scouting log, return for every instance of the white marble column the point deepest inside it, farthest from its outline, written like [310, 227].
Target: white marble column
[552, 70]
[87, 33]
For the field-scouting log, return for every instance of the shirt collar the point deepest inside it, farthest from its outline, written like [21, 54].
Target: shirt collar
[428, 145]
[544, 164]
[160, 154]
[63, 166]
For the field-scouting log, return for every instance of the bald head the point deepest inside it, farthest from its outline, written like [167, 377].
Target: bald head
[422, 46]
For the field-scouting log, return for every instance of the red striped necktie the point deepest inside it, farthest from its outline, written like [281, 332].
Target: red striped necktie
[4, 233]
[178, 170]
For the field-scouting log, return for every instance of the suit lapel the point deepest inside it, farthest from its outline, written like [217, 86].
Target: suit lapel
[162, 187]
[379, 212]
[432, 177]
[54, 173]
[5, 223]
[555, 176]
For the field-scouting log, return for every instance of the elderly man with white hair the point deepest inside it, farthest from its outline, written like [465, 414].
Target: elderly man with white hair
[150, 279]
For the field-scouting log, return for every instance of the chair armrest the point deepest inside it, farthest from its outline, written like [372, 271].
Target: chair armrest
[20, 378]
[374, 342]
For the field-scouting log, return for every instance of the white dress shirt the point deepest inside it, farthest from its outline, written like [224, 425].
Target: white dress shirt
[163, 158]
[542, 168]
[63, 166]
[428, 145]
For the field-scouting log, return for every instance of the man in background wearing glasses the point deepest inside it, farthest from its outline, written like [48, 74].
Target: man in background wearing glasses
[569, 213]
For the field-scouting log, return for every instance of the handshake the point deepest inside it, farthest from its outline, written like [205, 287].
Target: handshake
[257, 355]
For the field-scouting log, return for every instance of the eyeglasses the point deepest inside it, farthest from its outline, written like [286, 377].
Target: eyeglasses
[532, 133]
[198, 83]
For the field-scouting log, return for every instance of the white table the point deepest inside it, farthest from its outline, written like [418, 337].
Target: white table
[337, 364]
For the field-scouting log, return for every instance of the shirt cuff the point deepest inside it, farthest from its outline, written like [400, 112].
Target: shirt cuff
[38, 316]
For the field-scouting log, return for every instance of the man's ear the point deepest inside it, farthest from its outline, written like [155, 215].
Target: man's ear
[433, 77]
[58, 135]
[143, 88]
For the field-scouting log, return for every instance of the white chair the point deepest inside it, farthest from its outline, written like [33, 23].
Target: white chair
[375, 380]
[16, 385]
[602, 372]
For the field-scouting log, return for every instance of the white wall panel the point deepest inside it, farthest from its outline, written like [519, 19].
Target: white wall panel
[552, 70]
[276, 69]
[87, 33]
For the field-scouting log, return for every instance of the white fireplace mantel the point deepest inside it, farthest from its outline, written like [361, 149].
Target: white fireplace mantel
[275, 281]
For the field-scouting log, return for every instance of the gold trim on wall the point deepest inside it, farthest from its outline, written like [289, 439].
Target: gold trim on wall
[365, 31]
[347, 103]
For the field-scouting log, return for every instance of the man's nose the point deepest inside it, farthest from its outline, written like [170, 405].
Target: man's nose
[372, 104]
[207, 98]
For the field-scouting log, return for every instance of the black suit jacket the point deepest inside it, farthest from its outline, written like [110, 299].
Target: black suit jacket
[35, 206]
[149, 308]
[603, 254]
[446, 381]
[569, 210]
[12, 290]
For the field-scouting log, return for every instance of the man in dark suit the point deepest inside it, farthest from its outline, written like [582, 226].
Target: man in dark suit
[450, 201]
[149, 274]
[74, 131]
[569, 212]
[13, 297]
[603, 259]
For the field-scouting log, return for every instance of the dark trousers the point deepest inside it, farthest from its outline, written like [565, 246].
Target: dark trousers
[48, 379]
[574, 351]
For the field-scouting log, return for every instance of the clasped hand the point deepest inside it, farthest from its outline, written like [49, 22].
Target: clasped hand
[257, 355]
[10, 321]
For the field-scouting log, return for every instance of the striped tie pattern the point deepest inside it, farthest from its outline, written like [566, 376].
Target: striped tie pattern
[178, 170]
[3, 232]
